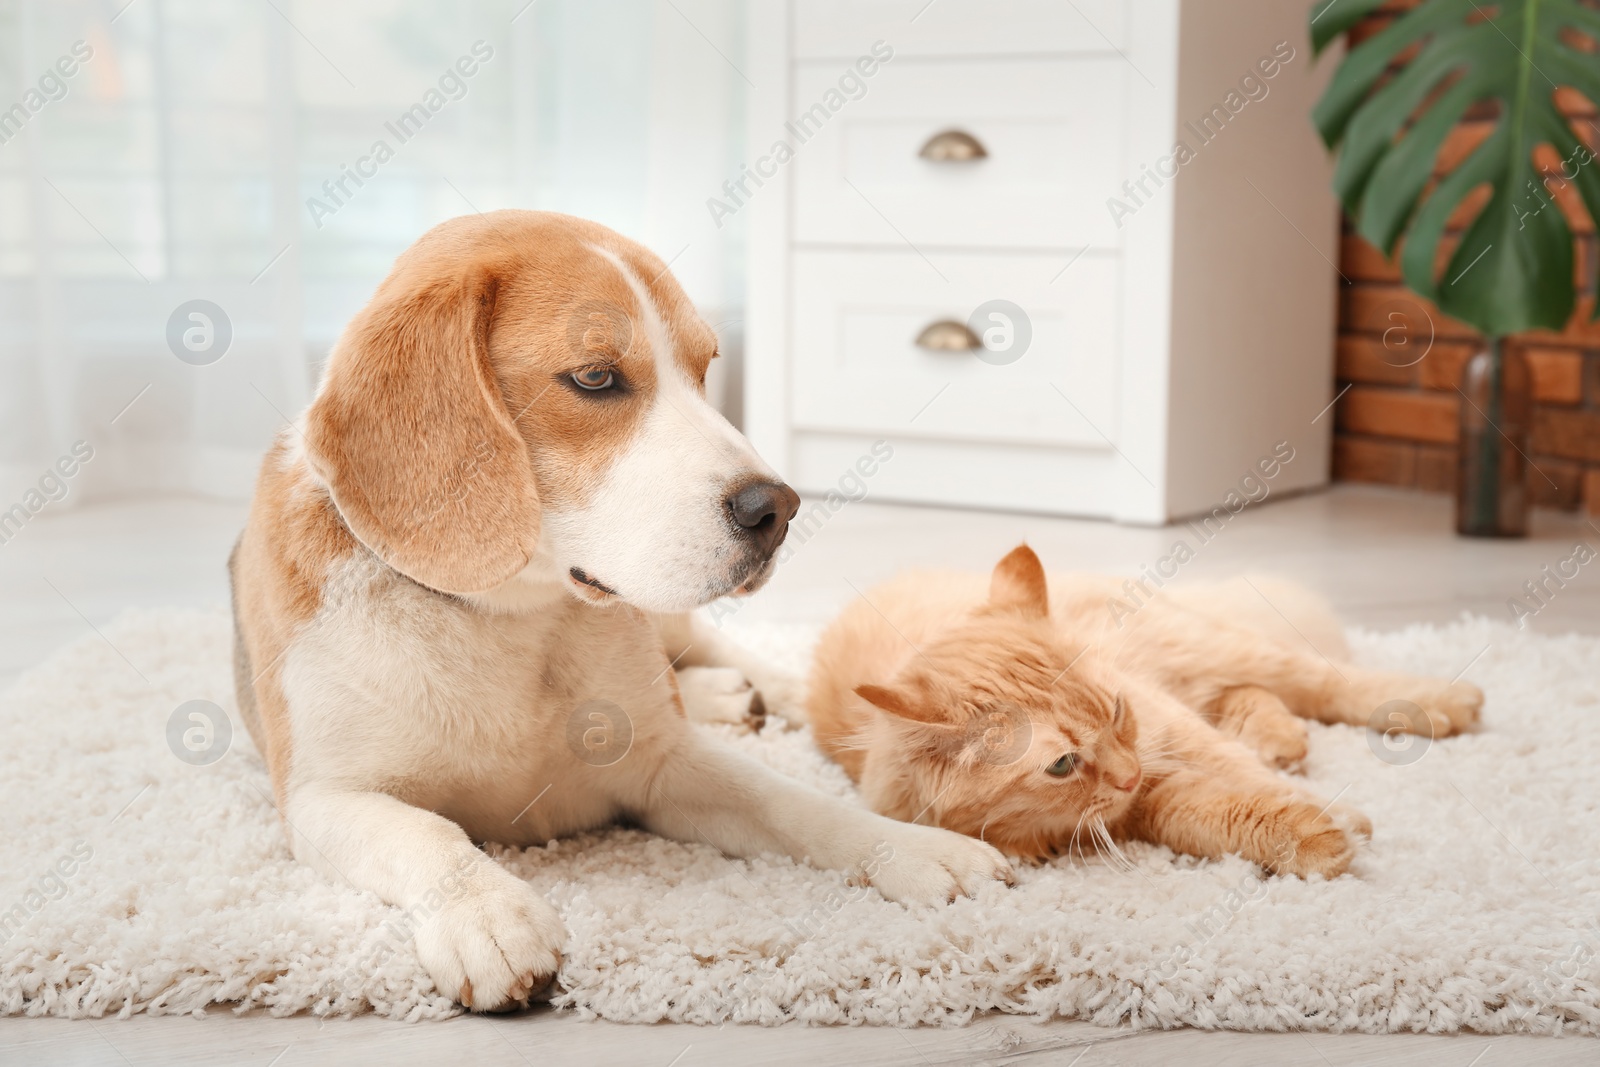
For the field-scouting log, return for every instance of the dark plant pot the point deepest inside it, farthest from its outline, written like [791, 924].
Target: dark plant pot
[1492, 468]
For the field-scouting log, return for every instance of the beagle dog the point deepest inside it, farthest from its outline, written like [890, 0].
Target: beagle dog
[454, 599]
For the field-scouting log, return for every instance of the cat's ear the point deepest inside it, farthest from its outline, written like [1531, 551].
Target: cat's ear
[1018, 584]
[900, 704]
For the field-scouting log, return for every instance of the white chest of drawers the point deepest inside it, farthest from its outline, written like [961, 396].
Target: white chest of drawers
[912, 163]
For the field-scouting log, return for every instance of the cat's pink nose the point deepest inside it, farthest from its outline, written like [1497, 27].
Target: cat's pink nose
[1131, 784]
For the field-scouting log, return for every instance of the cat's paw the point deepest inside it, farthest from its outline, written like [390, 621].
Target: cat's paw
[1259, 719]
[1283, 746]
[1313, 843]
[929, 865]
[1452, 708]
[1417, 705]
[1351, 821]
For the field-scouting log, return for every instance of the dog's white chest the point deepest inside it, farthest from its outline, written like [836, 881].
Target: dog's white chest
[504, 723]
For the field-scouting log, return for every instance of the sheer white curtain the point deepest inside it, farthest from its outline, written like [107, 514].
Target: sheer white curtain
[162, 152]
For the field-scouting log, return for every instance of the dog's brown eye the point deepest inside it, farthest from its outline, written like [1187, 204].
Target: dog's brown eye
[594, 379]
[1064, 766]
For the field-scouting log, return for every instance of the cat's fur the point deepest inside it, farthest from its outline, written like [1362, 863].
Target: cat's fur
[947, 701]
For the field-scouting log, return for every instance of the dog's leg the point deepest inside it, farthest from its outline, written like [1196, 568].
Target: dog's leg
[707, 793]
[487, 938]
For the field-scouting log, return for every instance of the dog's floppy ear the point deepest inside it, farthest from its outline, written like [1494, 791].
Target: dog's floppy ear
[411, 434]
[1018, 584]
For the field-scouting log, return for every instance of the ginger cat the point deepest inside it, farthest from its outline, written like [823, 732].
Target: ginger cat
[1023, 716]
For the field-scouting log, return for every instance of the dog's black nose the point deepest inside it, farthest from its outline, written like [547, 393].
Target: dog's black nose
[764, 509]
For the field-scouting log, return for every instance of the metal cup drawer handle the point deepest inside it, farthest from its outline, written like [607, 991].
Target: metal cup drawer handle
[948, 335]
[953, 146]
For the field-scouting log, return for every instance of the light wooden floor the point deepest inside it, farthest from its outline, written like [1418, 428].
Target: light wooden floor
[1384, 558]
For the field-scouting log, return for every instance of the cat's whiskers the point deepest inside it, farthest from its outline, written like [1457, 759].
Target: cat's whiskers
[1116, 849]
[861, 740]
[1162, 756]
[1114, 853]
[1073, 840]
[1099, 845]
[1159, 751]
[1167, 766]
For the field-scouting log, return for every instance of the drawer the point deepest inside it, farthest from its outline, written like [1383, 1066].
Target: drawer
[856, 366]
[1052, 130]
[845, 29]
[965, 474]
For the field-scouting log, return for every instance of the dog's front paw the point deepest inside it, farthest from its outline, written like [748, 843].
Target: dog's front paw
[492, 945]
[721, 695]
[785, 696]
[928, 865]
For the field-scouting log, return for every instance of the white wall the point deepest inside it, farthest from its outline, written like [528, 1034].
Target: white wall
[180, 161]
[1241, 383]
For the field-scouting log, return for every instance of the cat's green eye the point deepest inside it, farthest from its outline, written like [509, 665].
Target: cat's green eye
[1063, 766]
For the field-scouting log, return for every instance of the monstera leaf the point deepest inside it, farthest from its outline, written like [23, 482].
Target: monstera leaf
[1513, 268]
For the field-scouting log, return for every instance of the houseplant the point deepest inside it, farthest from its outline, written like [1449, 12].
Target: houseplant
[1513, 267]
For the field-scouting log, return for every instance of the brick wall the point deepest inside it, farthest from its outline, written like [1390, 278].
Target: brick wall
[1397, 423]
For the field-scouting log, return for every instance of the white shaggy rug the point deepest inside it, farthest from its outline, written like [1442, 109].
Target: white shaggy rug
[132, 881]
